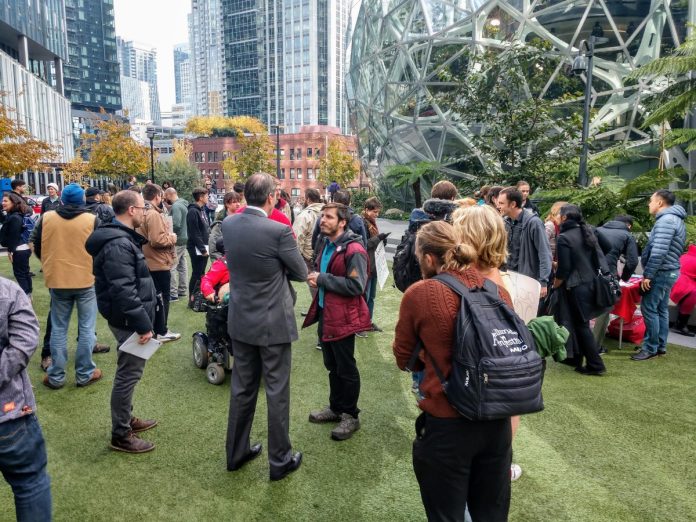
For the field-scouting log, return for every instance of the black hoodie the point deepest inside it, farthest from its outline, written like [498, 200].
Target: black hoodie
[124, 288]
[103, 211]
[64, 211]
[198, 227]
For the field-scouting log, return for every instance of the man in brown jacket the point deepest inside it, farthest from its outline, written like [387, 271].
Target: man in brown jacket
[159, 251]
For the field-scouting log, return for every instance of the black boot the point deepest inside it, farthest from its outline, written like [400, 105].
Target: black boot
[681, 326]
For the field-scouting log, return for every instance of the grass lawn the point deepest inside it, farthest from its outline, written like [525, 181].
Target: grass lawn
[618, 447]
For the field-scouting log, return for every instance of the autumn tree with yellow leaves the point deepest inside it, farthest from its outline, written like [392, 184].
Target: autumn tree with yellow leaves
[19, 150]
[337, 165]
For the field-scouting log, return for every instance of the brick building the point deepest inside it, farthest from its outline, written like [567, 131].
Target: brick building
[300, 154]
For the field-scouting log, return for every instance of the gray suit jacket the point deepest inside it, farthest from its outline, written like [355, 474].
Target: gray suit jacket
[261, 256]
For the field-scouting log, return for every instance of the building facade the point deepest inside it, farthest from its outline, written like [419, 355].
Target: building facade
[92, 77]
[207, 57]
[139, 61]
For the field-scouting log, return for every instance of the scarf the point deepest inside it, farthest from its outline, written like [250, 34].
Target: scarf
[372, 229]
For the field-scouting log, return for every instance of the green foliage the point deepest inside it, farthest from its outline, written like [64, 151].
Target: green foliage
[413, 175]
[337, 165]
[358, 198]
[183, 176]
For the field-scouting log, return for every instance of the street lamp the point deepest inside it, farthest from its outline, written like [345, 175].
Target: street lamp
[277, 128]
[583, 63]
[151, 135]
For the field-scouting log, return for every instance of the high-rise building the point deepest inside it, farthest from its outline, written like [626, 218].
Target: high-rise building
[136, 100]
[33, 49]
[139, 61]
[182, 72]
[205, 38]
[92, 72]
[285, 61]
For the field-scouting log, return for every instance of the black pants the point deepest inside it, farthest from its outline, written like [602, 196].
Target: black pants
[198, 264]
[129, 371]
[585, 338]
[20, 269]
[162, 280]
[459, 462]
[344, 377]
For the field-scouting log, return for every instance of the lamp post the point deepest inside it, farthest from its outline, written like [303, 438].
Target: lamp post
[151, 135]
[277, 128]
[583, 63]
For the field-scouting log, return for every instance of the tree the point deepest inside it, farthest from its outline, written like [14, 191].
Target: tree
[179, 171]
[76, 170]
[412, 175]
[255, 154]
[337, 165]
[219, 126]
[19, 150]
[113, 152]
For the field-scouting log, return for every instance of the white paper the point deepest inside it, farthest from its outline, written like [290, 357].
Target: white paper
[144, 351]
[381, 265]
[525, 295]
[204, 253]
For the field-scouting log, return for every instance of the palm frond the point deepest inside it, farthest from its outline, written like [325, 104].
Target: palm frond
[667, 66]
[677, 137]
[677, 107]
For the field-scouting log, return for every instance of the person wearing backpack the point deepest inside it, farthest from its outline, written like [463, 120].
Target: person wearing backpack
[14, 235]
[458, 462]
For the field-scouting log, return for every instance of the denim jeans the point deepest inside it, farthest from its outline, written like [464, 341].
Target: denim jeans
[370, 293]
[23, 464]
[62, 302]
[179, 282]
[655, 310]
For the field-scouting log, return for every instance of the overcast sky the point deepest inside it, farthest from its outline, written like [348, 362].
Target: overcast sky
[162, 24]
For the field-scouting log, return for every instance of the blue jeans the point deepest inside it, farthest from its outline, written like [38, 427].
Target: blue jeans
[370, 294]
[655, 310]
[62, 302]
[23, 464]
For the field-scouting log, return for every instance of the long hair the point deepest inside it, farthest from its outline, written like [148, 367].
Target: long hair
[483, 229]
[573, 213]
[440, 239]
[555, 210]
[18, 203]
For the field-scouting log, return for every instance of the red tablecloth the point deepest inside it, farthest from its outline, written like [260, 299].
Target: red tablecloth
[630, 299]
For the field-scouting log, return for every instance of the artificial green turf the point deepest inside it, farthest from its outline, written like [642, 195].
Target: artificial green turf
[618, 447]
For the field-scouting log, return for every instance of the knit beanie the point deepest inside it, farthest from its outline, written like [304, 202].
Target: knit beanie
[73, 195]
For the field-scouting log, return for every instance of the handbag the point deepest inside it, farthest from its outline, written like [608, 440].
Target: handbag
[606, 285]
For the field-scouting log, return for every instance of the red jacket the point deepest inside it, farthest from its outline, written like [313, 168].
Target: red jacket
[217, 276]
[345, 311]
[276, 215]
[686, 283]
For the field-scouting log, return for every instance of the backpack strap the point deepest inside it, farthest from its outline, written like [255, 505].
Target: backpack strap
[414, 358]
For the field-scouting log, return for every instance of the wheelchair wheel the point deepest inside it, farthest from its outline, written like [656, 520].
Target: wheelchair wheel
[200, 350]
[215, 373]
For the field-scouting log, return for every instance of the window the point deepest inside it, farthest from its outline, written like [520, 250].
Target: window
[299, 154]
[292, 154]
[318, 173]
[317, 153]
[282, 174]
[309, 152]
[282, 153]
[310, 173]
[215, 156]
[198, 157]
[295, 193]
[210, 157]
[299, 173]
[292, 173]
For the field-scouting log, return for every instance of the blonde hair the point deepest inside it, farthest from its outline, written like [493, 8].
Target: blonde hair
[439, 239]
[106, 198]
[555, 210]
[484, 229]
[465, 202]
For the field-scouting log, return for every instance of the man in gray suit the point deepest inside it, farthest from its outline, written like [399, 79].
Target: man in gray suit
[261, 256]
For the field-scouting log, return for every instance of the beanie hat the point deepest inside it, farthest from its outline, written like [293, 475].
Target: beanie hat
[73, 195]
[54, 185]
[92, 191]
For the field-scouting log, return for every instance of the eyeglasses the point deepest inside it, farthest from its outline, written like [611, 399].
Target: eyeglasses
[141, 208]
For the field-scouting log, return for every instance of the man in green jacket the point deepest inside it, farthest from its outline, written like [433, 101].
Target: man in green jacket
[177, 209]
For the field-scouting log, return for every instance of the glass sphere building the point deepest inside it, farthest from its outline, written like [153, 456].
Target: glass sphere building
[399, 48]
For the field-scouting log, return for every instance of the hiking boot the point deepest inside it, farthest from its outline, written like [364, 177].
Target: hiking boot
[100, 348]
[47, 382]
[131, 443]
[139, 425]
[46, 362]
[96, 376]
[325, 415]
[346, 428]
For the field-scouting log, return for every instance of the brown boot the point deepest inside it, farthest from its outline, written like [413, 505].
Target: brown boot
[140, 425]
[100, 348]
[131, 443]
[96, 376]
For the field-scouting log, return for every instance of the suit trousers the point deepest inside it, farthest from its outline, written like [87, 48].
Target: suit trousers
[459, 462]
[250, 363]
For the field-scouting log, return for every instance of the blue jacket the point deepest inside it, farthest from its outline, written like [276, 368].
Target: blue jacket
[666, 242]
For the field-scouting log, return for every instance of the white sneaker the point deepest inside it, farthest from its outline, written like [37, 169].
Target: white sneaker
[169, 336]
[515, 472]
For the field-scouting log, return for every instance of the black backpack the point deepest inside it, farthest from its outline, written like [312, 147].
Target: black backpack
[496, 370]
[405, 265]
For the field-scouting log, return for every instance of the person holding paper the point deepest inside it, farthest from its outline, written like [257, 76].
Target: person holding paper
[370, 214]
[198, 229]
[126, 299]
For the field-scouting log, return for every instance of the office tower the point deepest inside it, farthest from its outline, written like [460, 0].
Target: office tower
[139, 61]
[182, 72]
[91, 73]
[205, 38]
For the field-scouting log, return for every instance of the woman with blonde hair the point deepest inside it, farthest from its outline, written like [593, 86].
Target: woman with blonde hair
[457, 461]
[552, 224]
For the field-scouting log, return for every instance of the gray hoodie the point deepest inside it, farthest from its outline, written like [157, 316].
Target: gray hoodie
[19, 336]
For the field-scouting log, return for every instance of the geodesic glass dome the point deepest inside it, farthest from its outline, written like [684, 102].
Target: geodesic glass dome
[399, 47]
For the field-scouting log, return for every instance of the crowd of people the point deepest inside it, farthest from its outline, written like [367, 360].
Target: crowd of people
[123, 254]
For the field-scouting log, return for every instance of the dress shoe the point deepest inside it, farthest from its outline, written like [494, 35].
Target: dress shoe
[254, 452]
[140, 425]
[643, 356]
[587, 371]
[291, 466]
[131, 443]
[96, 376]
[100, 348]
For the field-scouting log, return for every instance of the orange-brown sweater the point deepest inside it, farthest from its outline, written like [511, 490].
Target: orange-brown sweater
[428, 312]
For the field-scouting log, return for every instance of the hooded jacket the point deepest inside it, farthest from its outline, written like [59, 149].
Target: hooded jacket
[686, 283]
[197, 227]
[103, 211]
[535, 252]
[11, 231]
[303, 228]
[160, 251]
[345, 311]
[178, 212]
[616, 240]
[125, 291]
[19, 336]
[666, 242]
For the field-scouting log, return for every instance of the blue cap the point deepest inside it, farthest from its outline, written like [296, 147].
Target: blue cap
[73, 194]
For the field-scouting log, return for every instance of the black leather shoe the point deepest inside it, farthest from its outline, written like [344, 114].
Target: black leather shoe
[643, 356]
[587, 371]
[291, 466]
[254, 452]
[660, 353]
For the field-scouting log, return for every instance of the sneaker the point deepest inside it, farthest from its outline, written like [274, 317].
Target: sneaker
[346, 428]
[376, 328]
[46, 362]
[603, 350]
[319, 346]
[415, 388]
[96, 376]
[515, 472]
[131, 443]
[643, 356]
[100, 348]
[173, 298]
[47, 382]
[139, 425]
[362, 335]
[325, 415]
[169, 336]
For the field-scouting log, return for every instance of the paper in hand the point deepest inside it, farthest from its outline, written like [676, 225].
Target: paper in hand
[144, 351]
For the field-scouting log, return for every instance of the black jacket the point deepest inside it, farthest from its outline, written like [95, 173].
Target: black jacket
[47, 204]
[531, 206]
[11, 231]
[197, 227]
[103, 211]
[124, 288]
[64, 211]
[616, 240]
